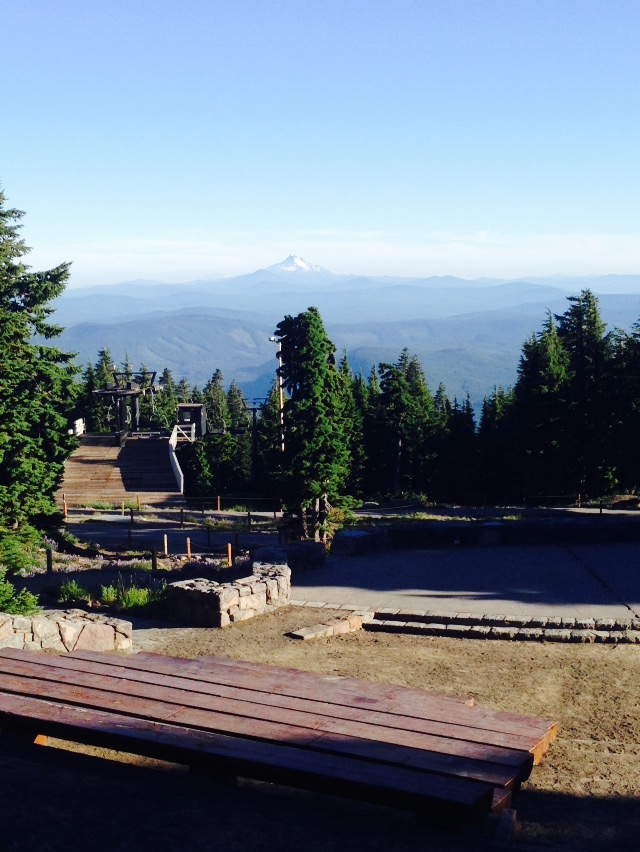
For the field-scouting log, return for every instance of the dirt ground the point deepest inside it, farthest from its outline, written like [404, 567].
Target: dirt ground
[584, 796]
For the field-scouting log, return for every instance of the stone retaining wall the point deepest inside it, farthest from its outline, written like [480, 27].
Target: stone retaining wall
[205, 603]
[71, 630]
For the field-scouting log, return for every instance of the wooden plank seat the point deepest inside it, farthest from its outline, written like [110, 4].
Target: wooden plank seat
[434, 755]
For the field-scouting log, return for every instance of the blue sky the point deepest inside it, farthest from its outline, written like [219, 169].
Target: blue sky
[182, 140]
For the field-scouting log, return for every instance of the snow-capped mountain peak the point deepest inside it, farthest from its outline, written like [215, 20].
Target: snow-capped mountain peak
[294, 264]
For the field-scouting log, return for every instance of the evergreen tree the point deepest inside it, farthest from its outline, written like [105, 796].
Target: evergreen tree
[98, 411]
[461, 454]
[215, 400]
[439, 479]
[167, 400]
[37, 391]
[405, 411]
[241, 430]
[583, 335]
[183, 391]
[542, 434]
[268, 467]
[316, 455]
[496, 448]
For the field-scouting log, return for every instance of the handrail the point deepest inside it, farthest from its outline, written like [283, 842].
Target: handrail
[175, 466]
[185, 434]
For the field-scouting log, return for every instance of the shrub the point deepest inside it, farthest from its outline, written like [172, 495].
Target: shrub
[19, 550]
[20, 603]
[71, 591]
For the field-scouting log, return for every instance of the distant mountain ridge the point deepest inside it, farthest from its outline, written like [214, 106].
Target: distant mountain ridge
[467, 333]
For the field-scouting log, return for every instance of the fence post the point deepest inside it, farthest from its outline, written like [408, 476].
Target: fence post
[166, 545]
[154, 560]
[218, 502]
[181, 518]
[49, 561]
[229, 559]
[188, 549]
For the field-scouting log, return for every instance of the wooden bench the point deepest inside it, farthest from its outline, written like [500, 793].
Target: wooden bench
[436, 755]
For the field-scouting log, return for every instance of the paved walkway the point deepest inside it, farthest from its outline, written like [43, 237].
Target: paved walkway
[597, 581]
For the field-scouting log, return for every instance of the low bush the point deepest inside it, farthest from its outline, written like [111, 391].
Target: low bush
[15, 603]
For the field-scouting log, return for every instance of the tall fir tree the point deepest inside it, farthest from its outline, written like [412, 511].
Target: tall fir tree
[583, 335]
[37, 389]
[542, 434]
[316, 454]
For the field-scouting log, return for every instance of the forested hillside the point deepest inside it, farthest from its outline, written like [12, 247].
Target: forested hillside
[566, 427]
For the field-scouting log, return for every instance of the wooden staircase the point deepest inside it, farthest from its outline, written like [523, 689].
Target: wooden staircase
[101, 472]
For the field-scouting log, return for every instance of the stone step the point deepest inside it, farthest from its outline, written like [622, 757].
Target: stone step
[520, 627]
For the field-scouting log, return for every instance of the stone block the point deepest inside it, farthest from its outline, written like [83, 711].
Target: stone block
[32, 645]
[504, 632]
[605, 624]
[42, 627]
[95, 637]
[480, 631]
[305, 633]
[568, 622]
[51, 643]
[554, 622]
[457, 630]
[228, 596]
[244, 615]
[272, 589]
[21, 624]
[585, 624]
[6, 626]
[355, 622]
[602, 635]
[222, 619]
[123, 643]
[283, 587]
[557, 635]
[513, 621]
[532, 634]
[69, 632]
[15, 640]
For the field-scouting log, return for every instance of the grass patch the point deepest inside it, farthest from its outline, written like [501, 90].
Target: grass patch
[131, 596]
[71, 592]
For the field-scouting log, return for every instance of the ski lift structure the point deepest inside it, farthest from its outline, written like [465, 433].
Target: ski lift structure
[125, 393]
[190, 414]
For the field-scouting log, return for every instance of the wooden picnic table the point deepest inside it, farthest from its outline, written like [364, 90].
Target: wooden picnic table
[437, 755]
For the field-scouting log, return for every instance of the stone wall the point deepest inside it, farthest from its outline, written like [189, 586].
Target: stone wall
[71, 630]
[205, 603]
